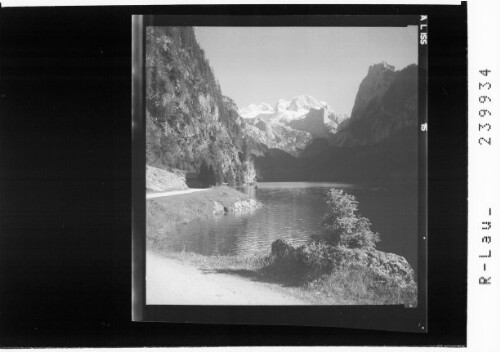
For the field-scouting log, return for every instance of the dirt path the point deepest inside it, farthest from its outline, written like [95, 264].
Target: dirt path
[173, 193]
[171, 282]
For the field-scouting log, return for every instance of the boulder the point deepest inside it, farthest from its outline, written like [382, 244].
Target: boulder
[218, 209]
[385, 267]
[281, 249]
[243, 205]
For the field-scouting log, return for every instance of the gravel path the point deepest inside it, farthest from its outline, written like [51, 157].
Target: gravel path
[173, 193]
[169, 281]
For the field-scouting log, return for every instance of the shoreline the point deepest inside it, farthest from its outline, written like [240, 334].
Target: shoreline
[164, 214]
[316, 273]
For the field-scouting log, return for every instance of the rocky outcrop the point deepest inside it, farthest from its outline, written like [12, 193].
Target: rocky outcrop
[159, 180]
[384, 267]
[238, 207]
[218, 209]
[243, 206]
[316, 122]
[276, 135]
[388, 267]
[250, 173]
[373, 86]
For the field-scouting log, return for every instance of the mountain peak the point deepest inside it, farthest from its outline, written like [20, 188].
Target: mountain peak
[265, 107]
[287, 109]
[381, 66]
[305, 102]
[254, 110]
[378, 79]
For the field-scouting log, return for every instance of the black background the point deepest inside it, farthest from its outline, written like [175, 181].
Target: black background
[65, 184]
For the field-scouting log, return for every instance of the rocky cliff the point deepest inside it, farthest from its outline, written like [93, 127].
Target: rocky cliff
[189, 124]
[276, 135]
[385, 104]
[158, 180]
[292, 124]
[378, 144]
[316, 122]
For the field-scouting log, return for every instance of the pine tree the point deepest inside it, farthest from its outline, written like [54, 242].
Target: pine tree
[342, 226]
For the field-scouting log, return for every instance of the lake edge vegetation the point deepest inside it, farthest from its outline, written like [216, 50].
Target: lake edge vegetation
[340, 264]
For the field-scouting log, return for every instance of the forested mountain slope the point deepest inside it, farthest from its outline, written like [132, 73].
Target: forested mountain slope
[189, 124]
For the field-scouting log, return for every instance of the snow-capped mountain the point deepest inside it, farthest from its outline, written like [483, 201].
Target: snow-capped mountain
[288, 110]
[254, 110]
[296, 113]
[299, 106]
[292, 124]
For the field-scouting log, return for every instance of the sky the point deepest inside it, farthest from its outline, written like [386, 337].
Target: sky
[264, 64]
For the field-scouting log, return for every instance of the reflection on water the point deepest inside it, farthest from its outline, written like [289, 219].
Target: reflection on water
[293, 211]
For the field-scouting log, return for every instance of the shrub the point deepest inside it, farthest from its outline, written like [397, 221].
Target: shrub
[342, 226]
[311, 259]
[347, 275]
[318, 256]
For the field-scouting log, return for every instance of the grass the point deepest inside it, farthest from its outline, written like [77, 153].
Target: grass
[359, 286]
[220, 262]
[354, 285]
[335, 276]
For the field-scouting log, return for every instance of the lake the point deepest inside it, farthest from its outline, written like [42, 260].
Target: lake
[293, 211]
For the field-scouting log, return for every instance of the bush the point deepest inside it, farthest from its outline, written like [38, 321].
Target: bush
[310, 259]
[318, 256]
[342, 226]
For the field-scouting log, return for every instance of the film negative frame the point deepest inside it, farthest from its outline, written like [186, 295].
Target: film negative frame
[383, 317]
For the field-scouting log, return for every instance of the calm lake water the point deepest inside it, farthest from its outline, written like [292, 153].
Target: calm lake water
[293, 211]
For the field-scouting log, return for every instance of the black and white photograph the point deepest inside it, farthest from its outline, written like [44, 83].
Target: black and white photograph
[263, 175]
[281, 165]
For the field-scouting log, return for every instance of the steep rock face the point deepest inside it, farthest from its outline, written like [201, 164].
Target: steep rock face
[261, 125]
[385, 104]
[188, 121]
[277, 136]
[159, 180]
[316, 122]
[373, 86]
